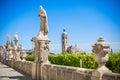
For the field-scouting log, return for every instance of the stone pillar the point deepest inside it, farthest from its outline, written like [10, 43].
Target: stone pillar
[41, 55]
[41, 50]
[64, 41]
[101, 50]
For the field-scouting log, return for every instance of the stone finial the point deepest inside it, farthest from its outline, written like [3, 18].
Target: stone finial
[101, 50]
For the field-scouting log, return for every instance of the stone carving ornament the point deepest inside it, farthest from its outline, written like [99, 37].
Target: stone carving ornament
[101, 50]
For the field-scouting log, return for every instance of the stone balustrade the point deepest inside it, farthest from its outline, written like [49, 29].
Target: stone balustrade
[25, 66]
[60, 72]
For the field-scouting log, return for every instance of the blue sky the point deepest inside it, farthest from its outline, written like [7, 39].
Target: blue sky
[85, 21]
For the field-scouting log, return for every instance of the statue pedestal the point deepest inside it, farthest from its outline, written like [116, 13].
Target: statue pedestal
[41, 50]
[41, 54]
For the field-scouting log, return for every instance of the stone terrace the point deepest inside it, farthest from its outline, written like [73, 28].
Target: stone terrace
[8, 73]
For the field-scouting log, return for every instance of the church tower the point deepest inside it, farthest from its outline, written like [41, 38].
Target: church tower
[64, 41]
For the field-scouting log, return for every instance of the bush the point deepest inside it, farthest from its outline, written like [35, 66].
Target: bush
[74, 60]
[87, 60]
[114, 62]
[30, 57]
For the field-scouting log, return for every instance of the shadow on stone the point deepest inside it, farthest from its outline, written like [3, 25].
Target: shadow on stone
[24, 77]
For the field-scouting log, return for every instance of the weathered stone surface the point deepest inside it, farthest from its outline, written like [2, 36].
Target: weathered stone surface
[41, 49]
[16, 49]
[41, 40]
[101, 50]
[43, 34]
[58, 72]
[111, 76]
[9, 54]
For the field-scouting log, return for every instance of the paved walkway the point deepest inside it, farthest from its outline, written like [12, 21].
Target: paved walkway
[8, 73]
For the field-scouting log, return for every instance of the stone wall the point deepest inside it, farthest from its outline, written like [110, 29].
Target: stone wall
[59, 72]
[25, 66]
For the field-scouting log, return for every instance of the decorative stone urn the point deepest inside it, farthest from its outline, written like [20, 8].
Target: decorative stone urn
[101, 50]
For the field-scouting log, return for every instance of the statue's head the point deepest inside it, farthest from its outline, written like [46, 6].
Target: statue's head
[16, 37]
[41, 8]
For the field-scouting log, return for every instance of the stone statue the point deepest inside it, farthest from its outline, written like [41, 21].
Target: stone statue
[41, 40]
[8, 48]
[16, 49]
[44, 22]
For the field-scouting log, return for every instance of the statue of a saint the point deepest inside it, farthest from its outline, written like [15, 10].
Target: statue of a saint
[41, 40]
[44, 21]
